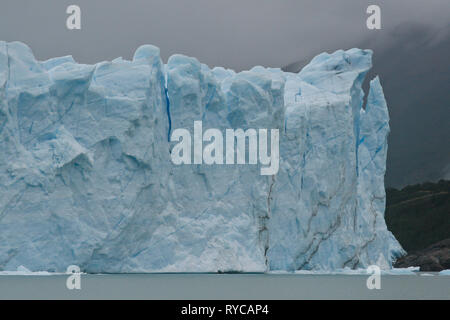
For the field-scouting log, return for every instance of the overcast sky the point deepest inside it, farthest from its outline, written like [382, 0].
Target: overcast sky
[233, 33]
[410, 51]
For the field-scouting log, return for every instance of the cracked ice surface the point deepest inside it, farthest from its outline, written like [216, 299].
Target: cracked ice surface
[86, 176]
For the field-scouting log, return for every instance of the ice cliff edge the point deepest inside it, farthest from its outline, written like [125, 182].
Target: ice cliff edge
[86, 177]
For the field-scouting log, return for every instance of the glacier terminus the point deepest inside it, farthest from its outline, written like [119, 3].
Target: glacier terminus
[86, 176]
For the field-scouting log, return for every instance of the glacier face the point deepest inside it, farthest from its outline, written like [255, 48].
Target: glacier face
[86, 176]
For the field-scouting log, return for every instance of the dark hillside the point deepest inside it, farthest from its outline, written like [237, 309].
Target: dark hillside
[419, 215]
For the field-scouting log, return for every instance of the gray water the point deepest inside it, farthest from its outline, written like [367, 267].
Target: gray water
[225, 286]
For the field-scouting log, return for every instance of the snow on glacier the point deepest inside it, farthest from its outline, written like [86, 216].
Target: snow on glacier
[86, 176]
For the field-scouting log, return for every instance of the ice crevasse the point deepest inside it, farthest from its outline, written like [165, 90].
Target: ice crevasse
[86, 176]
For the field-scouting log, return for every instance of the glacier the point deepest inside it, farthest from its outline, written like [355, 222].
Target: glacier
[86, 177]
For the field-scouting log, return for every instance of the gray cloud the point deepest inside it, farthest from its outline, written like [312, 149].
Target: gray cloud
[411, 50]
[232, 33]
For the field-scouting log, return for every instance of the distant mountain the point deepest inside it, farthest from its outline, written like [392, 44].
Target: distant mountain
[419, 215]
[414, 66]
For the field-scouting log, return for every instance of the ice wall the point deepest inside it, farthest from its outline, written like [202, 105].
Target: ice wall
[86, 176]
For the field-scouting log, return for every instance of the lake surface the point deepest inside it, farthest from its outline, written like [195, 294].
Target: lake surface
[225, 286]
